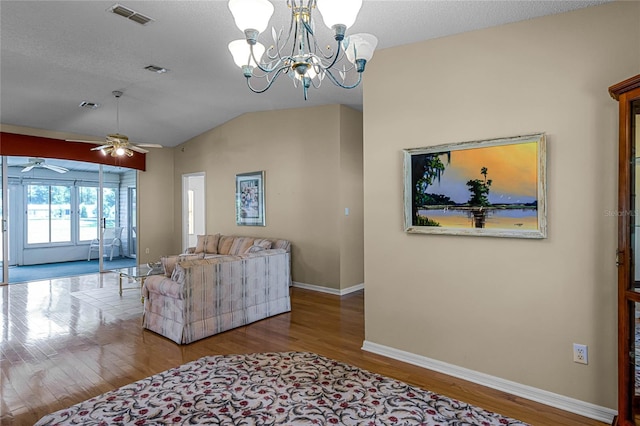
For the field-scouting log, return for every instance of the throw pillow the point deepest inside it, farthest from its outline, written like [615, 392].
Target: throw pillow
[254, 249]
[211, 247]
[224, 246]
[240, 245]
[265, 244]
[202, 240]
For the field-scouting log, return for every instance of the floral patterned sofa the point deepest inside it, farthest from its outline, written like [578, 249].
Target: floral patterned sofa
[222, 283]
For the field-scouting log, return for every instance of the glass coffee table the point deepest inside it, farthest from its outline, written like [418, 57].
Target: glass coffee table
[137, 273]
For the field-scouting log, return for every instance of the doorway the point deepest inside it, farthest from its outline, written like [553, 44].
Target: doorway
[193, 208]
[55, 212]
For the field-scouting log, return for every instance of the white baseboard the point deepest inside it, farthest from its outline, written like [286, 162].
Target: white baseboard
[562, 402]
[334, 291]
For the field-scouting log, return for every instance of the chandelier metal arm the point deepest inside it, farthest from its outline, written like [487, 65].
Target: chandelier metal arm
[279, 45]
[270, 81]
[261, 66]
[335, 81]
[335, 57]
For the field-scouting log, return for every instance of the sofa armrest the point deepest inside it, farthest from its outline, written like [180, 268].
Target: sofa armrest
[163, 286]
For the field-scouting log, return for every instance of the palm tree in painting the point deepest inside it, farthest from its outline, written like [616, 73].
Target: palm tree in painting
[426, 169]
[479, 189]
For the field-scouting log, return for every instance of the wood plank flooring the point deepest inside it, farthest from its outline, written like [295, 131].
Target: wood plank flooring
[58, 346]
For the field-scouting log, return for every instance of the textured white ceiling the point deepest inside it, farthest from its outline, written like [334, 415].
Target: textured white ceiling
[55, 54]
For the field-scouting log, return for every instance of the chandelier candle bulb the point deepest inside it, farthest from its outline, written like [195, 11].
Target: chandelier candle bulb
[360, 46]
[297, 53]
[339, 14]
[243, 55]
[251, 14]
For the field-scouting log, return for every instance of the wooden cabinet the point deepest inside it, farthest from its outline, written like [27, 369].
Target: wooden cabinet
[627, 93]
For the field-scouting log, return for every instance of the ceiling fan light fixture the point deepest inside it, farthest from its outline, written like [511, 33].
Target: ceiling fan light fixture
[117, 144]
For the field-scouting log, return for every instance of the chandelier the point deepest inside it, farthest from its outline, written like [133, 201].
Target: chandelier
[297, 53]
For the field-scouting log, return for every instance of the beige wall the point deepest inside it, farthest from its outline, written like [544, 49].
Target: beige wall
[301, 152]
[156, 218]
[506, 307]
[351, 197]
[313, 172]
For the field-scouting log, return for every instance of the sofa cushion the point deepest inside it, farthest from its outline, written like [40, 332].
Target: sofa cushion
[215, 260]
[202, 241]
[169, 262]
[263, 253]
[224, 245]
[211, 246]
[211, 256]
[240, 245]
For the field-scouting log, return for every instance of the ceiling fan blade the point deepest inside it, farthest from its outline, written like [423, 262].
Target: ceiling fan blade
[150, 145]
[55, 168]
[101, 147]
[137, 148]
[83, 140]
[28, 168]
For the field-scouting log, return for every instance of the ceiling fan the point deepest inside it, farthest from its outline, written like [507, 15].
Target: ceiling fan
[40, 164]
[116, 144]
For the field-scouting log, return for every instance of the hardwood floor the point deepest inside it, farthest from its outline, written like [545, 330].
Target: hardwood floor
[66, 340]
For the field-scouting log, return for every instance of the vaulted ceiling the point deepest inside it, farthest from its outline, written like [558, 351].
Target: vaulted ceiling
[56, 54]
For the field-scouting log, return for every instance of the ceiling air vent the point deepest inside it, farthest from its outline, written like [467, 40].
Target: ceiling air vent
[89, 105]
[131, 14]
[155, 68]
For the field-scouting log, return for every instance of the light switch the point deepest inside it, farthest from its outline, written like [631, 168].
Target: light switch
[346, 211]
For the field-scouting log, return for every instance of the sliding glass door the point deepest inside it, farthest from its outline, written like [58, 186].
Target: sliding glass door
[118, 221]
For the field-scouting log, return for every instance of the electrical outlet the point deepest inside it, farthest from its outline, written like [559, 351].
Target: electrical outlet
[147, 250]
[580, 353]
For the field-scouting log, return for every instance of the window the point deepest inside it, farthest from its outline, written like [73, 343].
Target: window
[88, 212]
[48, 214]
[110, 206]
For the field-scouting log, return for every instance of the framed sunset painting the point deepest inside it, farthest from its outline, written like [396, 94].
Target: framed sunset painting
[494, 187]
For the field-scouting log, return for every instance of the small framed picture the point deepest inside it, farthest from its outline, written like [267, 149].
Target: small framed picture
[250, 199]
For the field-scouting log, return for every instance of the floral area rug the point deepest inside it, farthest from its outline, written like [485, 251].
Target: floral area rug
[288, 388]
